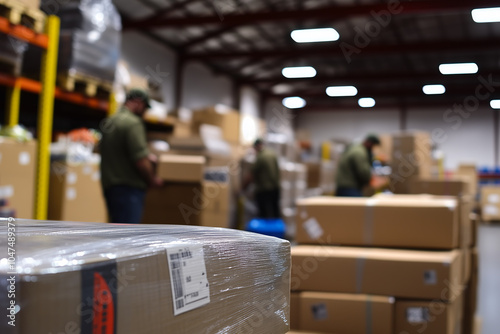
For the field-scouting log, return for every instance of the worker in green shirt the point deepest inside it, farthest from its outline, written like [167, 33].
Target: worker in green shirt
[265, 175]
[354, 168]
[126, 165]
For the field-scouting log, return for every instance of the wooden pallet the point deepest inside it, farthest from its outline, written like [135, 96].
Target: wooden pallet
[20, 14]
[87, 85]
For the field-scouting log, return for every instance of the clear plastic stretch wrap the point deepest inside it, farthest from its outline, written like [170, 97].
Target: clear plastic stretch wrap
[90, 39]
[80, 277]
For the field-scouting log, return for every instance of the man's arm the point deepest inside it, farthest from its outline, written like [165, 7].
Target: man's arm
[362, 169]
[145, 168]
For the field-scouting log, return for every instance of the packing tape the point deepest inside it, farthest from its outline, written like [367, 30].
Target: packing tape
[369, 316]
[360, 272]
[368, 224]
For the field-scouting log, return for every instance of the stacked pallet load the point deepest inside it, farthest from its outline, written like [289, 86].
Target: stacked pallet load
[380, 265]
[76, 277]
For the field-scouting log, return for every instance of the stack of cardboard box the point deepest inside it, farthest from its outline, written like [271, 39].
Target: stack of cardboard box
[17, 176]
[187, 198]
[410, 158]
[382, 265]
[321, 175]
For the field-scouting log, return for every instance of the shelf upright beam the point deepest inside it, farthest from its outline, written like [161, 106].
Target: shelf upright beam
[113, 105]
[13, 104]
[45, 116]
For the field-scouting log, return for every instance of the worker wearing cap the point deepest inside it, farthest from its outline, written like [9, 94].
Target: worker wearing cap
[354, 168]
[266, 177]
[126, 166]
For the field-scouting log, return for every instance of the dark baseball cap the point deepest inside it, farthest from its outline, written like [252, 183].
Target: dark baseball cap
[136, 93]
[372, 138]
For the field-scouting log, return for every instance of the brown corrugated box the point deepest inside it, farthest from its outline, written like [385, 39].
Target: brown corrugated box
[451, 186]
[181, 168]
[381, 222]
[18, 175]
[376, 271]
[490, 203]
[429, 317]
[294, 310]
[205, 204]
[410, 158]
[345, 313]
[464, 208]
[469, 172]
[228, 121]
[75, 193]
[471, 293]
[34, 4]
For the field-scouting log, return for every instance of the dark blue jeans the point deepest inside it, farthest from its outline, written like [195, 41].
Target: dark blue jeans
[348, 192]
[125, 204]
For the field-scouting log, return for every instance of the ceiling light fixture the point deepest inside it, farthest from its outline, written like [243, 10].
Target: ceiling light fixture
[495, 104]
[299, 72]
[458, 68]
[433, 89]
[294, 102]
[366, 102]
[336, 91]
[486, 15]
[315, 35]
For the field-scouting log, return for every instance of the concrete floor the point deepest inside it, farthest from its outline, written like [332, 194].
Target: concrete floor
[489, 278]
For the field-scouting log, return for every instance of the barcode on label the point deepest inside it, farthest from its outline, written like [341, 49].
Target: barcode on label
[179, 304]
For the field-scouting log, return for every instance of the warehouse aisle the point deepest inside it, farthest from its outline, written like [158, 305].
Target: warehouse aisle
[489, 277]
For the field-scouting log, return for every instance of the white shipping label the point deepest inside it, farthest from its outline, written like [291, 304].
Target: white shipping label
[24, 158]
[430, 277]
[493, 198]
[6, 191]
[71, 178]
[188, 275]
[417, 315]
[313, 228]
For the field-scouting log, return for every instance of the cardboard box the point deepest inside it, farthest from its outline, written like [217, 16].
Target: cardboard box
[34, 4]
[474, 219]
[455, 186]
[490, 203]
[346, 313]
[18, 175]
[430, 317]
[227, 120]
[75, 193]
[295, 310]
[478, 325]
[121, 281]
[410, 158]
[430, 224]
[383, 151]
[471, 294]
[204, 204]
[376, 271]
[181, 168]
[469, 172]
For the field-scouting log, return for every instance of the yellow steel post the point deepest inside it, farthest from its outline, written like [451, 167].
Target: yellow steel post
[325, 150]
[112, 104]
[13, 104]
[45, 116]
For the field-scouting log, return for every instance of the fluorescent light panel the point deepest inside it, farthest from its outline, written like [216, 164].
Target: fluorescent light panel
[335, 91]
[315, 35]
[294, 102]
[458, 68]
[495, 104]
[486, 15]
[434, 89]
[299, 72]
[366, 102]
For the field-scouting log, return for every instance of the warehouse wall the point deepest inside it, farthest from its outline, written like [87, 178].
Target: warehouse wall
[471, 141]
[158, 62]
[463, 140]
[201, 88]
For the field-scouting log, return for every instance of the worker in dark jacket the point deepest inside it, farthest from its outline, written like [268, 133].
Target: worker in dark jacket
[266, 177]
[126, 166]
[354, 169]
